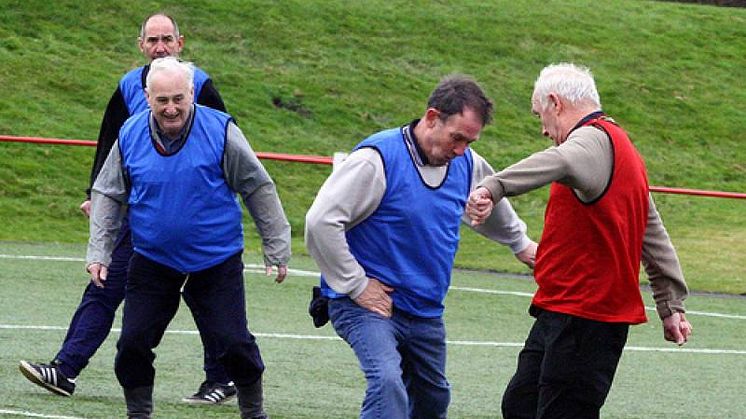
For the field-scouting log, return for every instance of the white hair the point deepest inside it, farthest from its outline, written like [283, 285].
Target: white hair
[170, 65]
[571, 82]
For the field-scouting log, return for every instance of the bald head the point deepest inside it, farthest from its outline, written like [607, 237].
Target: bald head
[159, 37]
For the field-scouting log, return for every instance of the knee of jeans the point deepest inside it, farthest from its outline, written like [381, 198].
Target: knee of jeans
[386, 376]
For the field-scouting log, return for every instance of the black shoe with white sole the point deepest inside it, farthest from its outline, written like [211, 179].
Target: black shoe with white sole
[212, 393]
[48, 376]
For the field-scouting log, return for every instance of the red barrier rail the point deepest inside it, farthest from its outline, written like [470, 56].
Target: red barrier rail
[262, 155]
[328, 160]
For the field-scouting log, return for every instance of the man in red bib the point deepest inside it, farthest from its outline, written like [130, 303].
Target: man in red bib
[600, 222]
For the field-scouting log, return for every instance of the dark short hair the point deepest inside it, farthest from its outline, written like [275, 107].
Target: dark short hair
[456, 92]
[144, 22]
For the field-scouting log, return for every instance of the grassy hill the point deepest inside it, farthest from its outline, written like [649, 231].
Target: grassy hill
[672, 74]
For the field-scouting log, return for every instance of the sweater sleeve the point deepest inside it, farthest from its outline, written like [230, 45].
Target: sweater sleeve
[662, 266]
[115, 115]
[503, 225]
[583, 162]
[351, 193]
[246, 175]
[210, 97]
[108, 197]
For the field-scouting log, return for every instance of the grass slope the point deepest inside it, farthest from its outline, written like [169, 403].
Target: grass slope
[669, 73]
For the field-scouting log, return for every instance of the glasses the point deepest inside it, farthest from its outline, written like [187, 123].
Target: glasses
[166, 39]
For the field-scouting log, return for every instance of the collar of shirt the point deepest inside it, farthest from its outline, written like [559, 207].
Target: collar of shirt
[166, 144]
[413, 145]
[590, 116]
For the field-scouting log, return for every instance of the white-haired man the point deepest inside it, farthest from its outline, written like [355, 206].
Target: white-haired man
[178, 167]
[600, 223]
[94, 316]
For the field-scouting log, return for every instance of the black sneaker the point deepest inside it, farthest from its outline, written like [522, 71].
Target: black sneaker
[48, 376]
[212, 393]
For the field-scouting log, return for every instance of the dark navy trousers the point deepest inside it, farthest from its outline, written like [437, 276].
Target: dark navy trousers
[565, 369]
[216, 298]
[93, 319]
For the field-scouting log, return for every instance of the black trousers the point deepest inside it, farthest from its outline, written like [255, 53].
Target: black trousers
[565, 368]
[216, 298]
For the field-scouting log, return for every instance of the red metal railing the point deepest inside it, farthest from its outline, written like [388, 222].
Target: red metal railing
[262, 155]
[298, 158]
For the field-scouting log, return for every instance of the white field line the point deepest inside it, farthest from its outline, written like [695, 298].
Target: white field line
[34, 415]
[528, 294]
[259, 269]
[250, 267]
[450, 342]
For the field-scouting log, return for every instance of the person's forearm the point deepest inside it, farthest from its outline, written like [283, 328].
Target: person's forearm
[503, 226]
[584, 162]
[326, 243]
[269, 217]
[662, 266]
[105, 222]
[528, 174]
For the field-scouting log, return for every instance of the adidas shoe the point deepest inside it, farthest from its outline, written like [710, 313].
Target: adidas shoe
[212, 393]
[48, 376]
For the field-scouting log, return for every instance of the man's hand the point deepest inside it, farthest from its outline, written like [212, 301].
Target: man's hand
[676, 328]
[376, 298]
[86, 208]
[479, 205]
[98, 273]
[282, 272]
[528, 255]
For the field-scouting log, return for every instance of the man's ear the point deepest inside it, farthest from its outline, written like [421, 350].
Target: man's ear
[180, 43]
[555, 102]
[431, 117]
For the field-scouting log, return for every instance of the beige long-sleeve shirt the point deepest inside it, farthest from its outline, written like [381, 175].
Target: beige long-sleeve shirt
[584, 162]
[353, 192]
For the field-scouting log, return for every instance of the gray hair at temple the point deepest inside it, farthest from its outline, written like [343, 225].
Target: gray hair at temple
[571, 82]
[170, 65]
[145, 22]
[456, 92]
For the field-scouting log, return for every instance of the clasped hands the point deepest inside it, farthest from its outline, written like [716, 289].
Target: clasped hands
[479, 205]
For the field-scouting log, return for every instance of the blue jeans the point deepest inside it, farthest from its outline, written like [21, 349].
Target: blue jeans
[403, 359]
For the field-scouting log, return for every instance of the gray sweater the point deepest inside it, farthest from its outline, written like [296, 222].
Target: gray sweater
[244, 174]
[353, 192]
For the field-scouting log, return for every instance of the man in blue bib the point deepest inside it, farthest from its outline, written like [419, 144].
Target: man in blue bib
[384, 229]
[178, 168]
[94, 316]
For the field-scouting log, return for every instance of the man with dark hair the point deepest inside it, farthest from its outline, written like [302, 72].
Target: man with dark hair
[600, 223]
[92, 321]
[178, 168]
[384, 229]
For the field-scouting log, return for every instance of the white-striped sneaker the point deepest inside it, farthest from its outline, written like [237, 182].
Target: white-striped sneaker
[48, 376]
[212, 393]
